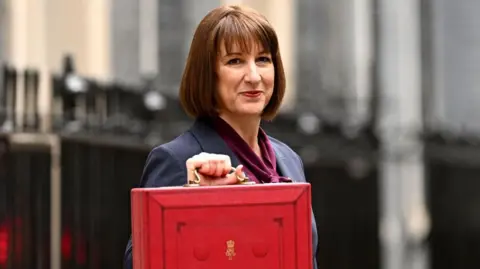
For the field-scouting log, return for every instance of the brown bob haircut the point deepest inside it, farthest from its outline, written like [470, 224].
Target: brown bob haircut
[228, 25]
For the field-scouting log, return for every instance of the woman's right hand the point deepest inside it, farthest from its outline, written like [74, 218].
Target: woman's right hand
[213, 169]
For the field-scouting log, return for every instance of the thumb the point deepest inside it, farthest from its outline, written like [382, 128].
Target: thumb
[235, 177]
[239, 174]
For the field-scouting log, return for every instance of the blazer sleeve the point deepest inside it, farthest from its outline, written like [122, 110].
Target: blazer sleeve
[315, 235]
[162, 168]
[300, 165]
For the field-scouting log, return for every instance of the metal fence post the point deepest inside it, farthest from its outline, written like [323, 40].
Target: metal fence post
[56, 202]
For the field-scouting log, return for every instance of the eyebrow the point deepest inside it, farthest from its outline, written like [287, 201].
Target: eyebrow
[233, 54]
[239, 53]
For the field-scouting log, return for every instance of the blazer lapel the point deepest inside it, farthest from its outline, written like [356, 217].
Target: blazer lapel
[211, 142]
[286, 165]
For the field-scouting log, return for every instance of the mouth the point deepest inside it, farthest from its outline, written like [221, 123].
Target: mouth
[252, 94]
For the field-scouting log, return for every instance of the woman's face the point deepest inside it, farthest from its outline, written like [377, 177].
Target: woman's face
[245, 81]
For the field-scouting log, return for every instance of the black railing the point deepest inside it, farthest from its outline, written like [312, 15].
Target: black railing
[25, 176]
[8, 94]
[30, 118]
[96, 183]
[453, 169]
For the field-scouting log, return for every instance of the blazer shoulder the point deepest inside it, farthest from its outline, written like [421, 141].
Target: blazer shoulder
[165, 164]
[286, 152]
[181, 148]
[281, 146]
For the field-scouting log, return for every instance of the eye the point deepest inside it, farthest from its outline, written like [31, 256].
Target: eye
[264, 59]
[234, 61]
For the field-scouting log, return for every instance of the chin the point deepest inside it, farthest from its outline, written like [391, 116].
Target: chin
[256, 113]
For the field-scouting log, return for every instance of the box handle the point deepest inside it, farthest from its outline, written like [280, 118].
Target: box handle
[196, 181]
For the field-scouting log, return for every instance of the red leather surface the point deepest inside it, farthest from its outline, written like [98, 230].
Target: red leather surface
[264, 226]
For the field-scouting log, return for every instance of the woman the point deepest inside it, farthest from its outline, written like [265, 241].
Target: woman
[232, 80]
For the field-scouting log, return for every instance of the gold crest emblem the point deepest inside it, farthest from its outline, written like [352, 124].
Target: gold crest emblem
[230, 253]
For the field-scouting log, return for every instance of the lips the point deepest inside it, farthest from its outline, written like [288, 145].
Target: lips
[252, 93]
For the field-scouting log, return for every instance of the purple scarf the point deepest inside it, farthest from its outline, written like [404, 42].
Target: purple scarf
[260, 170]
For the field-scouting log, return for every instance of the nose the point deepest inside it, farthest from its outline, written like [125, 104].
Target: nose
[253, 74]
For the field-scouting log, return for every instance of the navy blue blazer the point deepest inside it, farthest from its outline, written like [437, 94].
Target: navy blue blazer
[165, 165]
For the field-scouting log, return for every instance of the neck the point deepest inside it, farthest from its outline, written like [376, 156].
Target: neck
[246, 127]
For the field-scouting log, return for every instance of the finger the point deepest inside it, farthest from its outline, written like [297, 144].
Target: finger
[232, 178]
[239, 172]
[213, 163]
[206, 166]
[192, 164]
[227, 167]
[206, 181]
[220, 164]
[196, 162]
[211, 168]
[228, 180]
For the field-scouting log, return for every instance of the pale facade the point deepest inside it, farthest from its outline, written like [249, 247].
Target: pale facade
[453, 58]
[40, 33]
[328, 48]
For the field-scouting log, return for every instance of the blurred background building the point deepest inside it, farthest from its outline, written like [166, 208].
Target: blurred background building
[382, 105]
[134, 41]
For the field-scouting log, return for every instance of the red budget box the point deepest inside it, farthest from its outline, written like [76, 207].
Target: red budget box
[265, 226]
